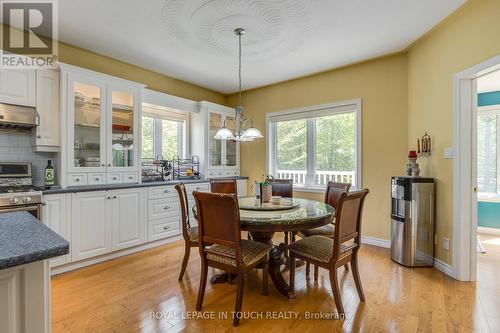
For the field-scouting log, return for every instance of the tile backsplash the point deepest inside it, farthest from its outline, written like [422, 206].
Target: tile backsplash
[18, 147]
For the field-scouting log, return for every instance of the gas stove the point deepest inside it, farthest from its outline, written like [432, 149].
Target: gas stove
[16, 190]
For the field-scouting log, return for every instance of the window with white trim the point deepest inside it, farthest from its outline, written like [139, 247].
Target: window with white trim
[163, 133]
[316, 145]
[488, 162]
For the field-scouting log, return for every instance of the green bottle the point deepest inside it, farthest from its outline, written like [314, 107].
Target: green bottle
[49, 175]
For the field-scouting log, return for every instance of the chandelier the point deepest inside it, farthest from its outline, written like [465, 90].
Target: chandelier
[242, 132]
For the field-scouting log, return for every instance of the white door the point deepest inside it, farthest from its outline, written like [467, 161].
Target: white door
[47, 106]
[17, 86]
[56, 214]
[128, 217]
[473, 245]
[91, 224]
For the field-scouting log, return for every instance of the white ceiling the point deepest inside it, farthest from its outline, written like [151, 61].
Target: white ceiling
[489, 82]
[193, 40]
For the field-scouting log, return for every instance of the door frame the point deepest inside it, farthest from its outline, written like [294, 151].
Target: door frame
[464, 172]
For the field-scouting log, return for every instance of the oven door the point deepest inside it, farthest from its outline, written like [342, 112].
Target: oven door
[32, 209]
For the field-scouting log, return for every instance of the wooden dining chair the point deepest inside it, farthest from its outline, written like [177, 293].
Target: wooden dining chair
[282, 188]
[190, 234]
[223, 186]
[221, 246]
[333, 253]
[333, 193]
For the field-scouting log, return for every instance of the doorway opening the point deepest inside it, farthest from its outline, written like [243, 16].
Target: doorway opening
[488, 176]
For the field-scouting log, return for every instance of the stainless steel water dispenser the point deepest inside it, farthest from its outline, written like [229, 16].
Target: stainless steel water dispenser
[412, 221]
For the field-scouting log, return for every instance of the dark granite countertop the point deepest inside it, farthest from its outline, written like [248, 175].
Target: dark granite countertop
[24, 239]
[107, 187]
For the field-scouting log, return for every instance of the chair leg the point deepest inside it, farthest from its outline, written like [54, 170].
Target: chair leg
[265, 276]
[336, 291]
[346, 267]
[308, 268]
[316, 271]
[239, 298]
[203, 283]
[357, 279]
[293, 236]
[187, 250]
[286, 238]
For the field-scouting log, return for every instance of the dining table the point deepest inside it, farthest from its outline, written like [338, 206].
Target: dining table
[262, 221]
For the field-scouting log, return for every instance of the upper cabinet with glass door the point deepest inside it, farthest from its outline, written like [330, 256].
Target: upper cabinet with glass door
[218, 158]
[102, 129]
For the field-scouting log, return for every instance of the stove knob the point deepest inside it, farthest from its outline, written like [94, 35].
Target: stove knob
[14, 200]
[27, 199]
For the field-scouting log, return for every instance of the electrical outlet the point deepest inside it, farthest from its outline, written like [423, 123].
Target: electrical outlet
[446, 243]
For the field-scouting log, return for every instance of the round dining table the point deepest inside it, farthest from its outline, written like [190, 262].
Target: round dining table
[262, 222]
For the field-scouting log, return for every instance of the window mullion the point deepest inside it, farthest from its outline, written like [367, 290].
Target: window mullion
[157, 139]
[311, 147]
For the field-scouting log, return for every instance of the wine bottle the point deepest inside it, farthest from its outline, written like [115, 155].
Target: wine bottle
[49, 175]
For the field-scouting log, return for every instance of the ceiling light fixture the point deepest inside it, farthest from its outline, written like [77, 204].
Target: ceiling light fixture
[240, 133]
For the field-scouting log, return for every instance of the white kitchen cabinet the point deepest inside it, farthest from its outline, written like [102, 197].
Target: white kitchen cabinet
[47, 105]
[128, 211]
[56, 214]
[91, 224]
[218, 158]
[241, 187]
[102, 117]
[17, 86]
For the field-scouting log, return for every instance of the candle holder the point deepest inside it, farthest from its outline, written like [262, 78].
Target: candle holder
[425, 150]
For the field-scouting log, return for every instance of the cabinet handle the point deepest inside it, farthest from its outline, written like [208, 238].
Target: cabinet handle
[114, 178]
[77, 179]
[109, 164]
[114, 196]
[130, 177]
[166, 191]
[166, 207]
[38, 136]
[108, 198]
[96, 179]
[103, 164]
[166, 227]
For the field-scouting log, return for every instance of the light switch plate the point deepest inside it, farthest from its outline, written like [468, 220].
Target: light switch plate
[448, 152]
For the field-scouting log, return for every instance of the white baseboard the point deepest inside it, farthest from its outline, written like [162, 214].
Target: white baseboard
[444, 267]
[488, 231]
[91, 261]
[385, 243]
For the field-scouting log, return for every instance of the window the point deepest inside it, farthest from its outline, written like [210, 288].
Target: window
[163, 133]
[488, 123]
[316, 145]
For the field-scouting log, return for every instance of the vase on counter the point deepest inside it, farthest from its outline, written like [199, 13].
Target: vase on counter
[267, 192]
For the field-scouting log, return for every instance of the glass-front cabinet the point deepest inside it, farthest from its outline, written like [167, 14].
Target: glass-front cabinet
[102, 128]
[218, 158]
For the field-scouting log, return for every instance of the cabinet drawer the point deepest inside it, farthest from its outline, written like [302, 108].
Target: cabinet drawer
[161, 208]
[77, 179]
[130, 177]
[96, 178]
[114, 178]
[157, 192]
[163, 230]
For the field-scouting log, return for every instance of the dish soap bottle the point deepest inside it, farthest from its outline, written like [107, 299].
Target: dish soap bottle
[49, 175]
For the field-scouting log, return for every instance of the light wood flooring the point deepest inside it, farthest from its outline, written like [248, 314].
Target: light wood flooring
[120, 295]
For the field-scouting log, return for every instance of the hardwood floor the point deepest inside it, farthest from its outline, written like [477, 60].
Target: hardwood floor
[120, 295]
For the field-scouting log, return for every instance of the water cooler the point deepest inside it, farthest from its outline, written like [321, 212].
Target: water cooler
[412, 221]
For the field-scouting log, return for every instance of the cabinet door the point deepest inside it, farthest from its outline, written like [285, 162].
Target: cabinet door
[215, 122]
[17, 86]
[231, 147]
[91, 224]
[123, 128]
[47, 106]
[86, 124]
[129, 217]
[56, 214]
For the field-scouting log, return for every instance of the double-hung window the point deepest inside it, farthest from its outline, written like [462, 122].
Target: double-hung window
[163, 132]
[488, 162]
[315, 145]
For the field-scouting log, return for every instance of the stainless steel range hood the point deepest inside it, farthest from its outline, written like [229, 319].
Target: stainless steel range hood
[16, 117]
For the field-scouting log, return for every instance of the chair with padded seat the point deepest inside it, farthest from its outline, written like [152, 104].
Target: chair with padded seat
[221, 246]
[282, 188]
[332, 196]
[332, 253]
[223, 186]
[190, 234]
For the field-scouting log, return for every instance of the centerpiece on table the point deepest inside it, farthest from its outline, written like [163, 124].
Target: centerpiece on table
[263, 190]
